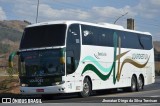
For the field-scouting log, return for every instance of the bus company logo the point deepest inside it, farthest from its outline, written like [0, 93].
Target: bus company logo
[140, 56]
[100, 54]
[36, 80]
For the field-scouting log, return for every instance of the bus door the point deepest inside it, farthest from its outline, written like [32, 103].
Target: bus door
[72, 54]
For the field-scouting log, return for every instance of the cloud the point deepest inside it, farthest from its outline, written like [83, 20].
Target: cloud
[47, 12]
[155, 2]
[26, 9]
[2, 14]
[148, 9]
[111, 14]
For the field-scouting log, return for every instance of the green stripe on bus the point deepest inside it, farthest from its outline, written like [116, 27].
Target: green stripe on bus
[95, 70]
[96, 63]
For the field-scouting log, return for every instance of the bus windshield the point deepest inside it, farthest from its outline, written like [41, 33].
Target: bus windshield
[43, 36]
[41, 63]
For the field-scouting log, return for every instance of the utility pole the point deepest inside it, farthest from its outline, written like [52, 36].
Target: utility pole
[120, 17]
[37, 11]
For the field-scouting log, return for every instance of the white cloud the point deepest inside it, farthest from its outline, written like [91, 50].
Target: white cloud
[2, 14]
[148, 9]
[110, 14]
[155, 2]
[26, 9]
[113, 12]
[47, 12]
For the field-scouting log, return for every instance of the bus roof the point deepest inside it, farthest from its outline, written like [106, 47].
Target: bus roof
[104, 25]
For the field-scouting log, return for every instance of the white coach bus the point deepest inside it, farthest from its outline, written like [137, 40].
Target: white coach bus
[72, 56]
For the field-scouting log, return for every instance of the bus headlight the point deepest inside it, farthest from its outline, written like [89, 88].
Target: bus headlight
[24, 85]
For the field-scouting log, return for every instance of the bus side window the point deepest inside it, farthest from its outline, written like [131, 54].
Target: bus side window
[146, 41]
[72, 48]
[70, 65]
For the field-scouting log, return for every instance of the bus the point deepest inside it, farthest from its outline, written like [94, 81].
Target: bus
[80, 57]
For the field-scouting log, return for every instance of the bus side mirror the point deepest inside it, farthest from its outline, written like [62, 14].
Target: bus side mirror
[11, 57]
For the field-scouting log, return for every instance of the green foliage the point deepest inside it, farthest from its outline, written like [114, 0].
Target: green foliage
[10, 72]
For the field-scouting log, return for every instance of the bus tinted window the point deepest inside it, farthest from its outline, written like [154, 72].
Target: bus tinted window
[88, 35]
[146, 41]
[131, 40]
[97, 36]
[43, 36]
[72, 48]
[134, 40]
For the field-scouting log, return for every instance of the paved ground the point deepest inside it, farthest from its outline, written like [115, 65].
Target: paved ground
[150, 92]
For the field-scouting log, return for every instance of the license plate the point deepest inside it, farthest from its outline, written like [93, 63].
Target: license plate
[39, 90]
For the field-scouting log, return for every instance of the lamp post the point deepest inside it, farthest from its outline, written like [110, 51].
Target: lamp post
[37, 11]
[120, 17]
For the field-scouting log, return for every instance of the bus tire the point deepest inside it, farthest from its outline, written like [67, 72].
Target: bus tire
[86, 92]
[140, 84]
[133, 87]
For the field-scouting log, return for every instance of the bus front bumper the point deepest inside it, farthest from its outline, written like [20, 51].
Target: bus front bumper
[43, 90]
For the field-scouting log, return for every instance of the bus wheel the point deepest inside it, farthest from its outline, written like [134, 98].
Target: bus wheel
[86, 88]
[133, 84]
[140, 84]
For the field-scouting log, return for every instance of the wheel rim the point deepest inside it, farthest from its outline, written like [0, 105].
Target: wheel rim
[140, 83]
[133, 85]
[86, 88]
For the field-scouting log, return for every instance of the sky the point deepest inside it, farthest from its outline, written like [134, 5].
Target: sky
[146, 13]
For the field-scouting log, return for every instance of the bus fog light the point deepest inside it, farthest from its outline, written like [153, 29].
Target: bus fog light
[58, 83]
[24, 85]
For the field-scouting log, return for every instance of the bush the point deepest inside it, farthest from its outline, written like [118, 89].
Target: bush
[10, 72]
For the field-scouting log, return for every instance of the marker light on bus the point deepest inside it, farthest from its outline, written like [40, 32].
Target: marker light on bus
[62, 58]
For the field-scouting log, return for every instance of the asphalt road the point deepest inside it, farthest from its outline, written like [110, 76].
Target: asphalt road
[150, 92]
